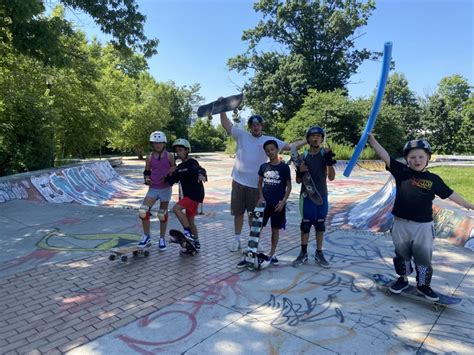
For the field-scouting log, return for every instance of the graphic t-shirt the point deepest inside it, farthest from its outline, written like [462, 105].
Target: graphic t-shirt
[275, 178]
[416, 192]
[187, 174]
[249, 156]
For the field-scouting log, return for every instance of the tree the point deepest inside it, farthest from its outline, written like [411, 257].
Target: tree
[318, 52]
[30, 32]
[204, 137]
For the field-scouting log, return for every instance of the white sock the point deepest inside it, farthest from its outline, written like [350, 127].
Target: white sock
[237, 237]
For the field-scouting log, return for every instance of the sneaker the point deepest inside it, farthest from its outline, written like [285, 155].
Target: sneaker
[235, 246]
[242, 263]
[144, 241]
[188, 236]
[301, 259]
[426, 291]
[162, 244]
[321, 260]
[274, 260]
[399, 285]
[197, 245]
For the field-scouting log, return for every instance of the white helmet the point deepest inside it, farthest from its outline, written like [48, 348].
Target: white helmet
[158, 137]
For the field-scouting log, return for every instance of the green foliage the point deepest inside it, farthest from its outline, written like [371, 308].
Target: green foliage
[458, 178]
[205, 138]
[230, 146]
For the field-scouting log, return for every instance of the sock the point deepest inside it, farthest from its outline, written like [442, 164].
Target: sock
[237, 237]
[304, 248]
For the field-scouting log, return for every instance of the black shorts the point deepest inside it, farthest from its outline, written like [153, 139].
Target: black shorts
[278, 219]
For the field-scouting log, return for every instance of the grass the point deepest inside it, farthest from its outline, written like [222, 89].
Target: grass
[459, 178]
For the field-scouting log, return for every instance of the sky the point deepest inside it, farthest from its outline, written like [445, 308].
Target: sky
[431, 39]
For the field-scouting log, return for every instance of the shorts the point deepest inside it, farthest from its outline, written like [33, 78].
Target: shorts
[190, 206]
[242, 198]
[311, 211]
[278, 219]
[164, 195]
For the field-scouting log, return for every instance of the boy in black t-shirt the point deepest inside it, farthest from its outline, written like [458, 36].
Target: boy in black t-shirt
[413, 230]
[191, 176]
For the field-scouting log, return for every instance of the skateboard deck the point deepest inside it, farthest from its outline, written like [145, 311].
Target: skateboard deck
[226, 104]
[179, 238]
[123, 252]
[383, 282]
[308, 182]
[254, 259]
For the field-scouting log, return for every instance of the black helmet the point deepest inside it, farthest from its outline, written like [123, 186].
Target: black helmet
[254, 119]
[314, 129]
[417, 144]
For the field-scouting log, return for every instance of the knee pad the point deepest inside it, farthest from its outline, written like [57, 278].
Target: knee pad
[162, 215]
[320, 226]
[402, 267]
[305, 226]
[423, 275]
[144, 212]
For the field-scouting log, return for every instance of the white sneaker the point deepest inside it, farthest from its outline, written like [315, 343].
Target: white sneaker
[235, 246]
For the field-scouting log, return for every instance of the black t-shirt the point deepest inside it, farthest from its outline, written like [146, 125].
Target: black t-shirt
[187, 173]
[274, 181]
[416, 192]
[318, 170]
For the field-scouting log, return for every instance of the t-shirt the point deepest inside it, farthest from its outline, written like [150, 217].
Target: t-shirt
[318, 170]
[249, 156]
[187, 174]
[416, 192]
[274, 181]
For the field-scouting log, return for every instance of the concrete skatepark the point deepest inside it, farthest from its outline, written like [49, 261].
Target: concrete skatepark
[61, 293]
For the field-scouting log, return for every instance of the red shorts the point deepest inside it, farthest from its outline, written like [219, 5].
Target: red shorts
[190, 206]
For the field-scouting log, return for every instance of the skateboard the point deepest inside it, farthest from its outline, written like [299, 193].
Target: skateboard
[308, 182]
[179, 238]
[254, 259]
[383, 282]
[123, 252]
[226, 104]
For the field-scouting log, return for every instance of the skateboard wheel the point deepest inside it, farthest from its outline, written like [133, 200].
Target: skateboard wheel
[193, 253]
[111, 257]
[124, 258]
[388, 292]
[435, 308]
[135, 253]
[146, 253]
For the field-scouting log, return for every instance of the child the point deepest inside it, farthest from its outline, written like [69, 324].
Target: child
[412, 229]
[274, 187]
[320, 164]
[191, 175]
[157, 166]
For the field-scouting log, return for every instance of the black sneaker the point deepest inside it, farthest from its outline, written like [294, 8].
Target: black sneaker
[301, 259]
[321, 260]
[197, 245]
[274, 260]
[399, 285]
[426, 291]
[242, 263]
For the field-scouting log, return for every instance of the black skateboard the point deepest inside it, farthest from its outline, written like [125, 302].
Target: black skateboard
[179, 238]
[254, 259]
[226, 104]
[308, 182]
[125, 251]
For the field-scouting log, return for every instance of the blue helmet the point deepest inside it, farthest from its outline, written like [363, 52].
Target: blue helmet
[254, 119]
[314, 129]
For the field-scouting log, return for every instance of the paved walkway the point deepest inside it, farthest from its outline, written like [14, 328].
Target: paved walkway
[60, 293]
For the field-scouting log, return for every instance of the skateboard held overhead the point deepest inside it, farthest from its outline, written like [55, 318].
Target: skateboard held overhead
[383, 282]
[226, 104]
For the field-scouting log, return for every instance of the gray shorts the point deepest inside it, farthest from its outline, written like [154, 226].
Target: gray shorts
[164, 195]
[413, 239]
[242, 198]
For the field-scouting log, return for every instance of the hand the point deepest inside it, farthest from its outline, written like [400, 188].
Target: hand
[329, 158]
[148, 181]
[303, 167]
[220, 98]
[172, 169]
[202, 178]
[260, 200]
[280, 206]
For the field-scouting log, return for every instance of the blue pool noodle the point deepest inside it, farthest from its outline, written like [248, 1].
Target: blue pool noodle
[387, 56]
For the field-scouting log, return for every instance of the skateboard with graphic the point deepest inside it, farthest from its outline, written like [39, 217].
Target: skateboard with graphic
[383, 282]
[254, 259]
[308, 181]
[124, 252]
[179, 238]
[229, 103]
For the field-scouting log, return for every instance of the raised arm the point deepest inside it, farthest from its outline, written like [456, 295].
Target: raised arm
[225, 122]
[379, 150]
[298, 144]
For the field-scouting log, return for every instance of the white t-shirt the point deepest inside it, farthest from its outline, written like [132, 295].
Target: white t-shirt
[249, 156]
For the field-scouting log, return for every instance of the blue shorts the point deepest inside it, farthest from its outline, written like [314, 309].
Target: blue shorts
[164, 195]
[311, 211]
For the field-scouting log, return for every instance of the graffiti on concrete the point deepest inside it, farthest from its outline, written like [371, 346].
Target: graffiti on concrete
[14, 191]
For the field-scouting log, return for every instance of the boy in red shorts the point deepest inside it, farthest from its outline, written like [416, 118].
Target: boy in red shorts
[191, 175]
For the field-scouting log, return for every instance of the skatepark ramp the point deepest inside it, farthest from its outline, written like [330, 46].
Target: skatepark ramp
[89, 184]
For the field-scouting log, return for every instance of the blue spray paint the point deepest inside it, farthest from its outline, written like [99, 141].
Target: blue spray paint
[387, 55]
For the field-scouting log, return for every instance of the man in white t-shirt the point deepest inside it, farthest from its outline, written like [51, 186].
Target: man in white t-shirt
[249, 156]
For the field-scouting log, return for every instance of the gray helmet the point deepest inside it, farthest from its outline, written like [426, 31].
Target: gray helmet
[158, 137]
[181, 142]
[417, 144]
